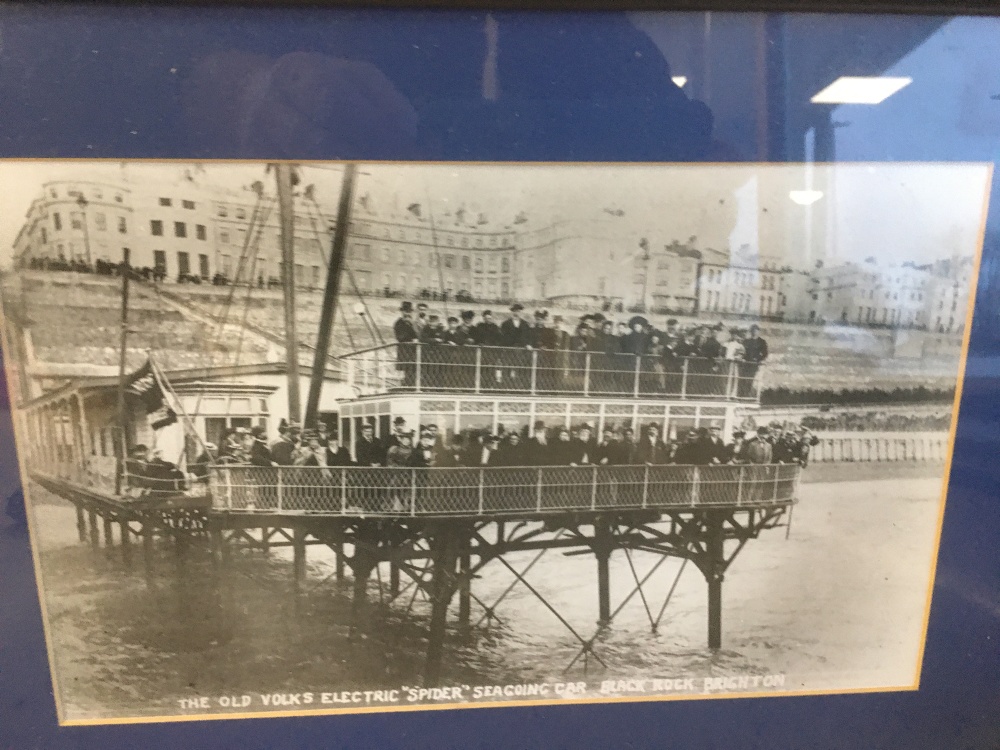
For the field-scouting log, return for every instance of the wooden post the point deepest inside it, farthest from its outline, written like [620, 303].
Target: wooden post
[363, 562]
[465, 583]
[330, 293]
[602, 551]
[442, 588]
[283, 173]
[121, 443]
[95, 535]
[339, 552]
[126, 543]
[81, 524]
[109, 534]
[148, 532]
[265, 540]
[714, 576]
[299, 556]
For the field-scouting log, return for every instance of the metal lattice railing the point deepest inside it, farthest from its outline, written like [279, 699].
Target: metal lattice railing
[497, 491]
[440, 368]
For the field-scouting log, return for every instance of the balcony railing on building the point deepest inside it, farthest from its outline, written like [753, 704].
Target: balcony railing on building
[490, 491]
[438, 368]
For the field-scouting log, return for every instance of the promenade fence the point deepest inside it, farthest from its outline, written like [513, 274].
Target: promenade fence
[879, 447]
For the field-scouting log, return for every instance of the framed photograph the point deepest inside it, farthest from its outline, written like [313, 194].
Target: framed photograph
[623, 372]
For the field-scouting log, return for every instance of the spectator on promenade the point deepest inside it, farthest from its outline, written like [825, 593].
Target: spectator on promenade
[259, 454]
[735, 450]
[282, 450]
[651, 450]
[337, 454]
[200, 466]
[758, 449]
[399, 452]
[368, 451]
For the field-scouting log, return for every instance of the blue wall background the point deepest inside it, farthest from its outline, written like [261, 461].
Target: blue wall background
[127, 82]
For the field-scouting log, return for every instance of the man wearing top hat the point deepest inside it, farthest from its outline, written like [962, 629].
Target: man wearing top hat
[406, 338]
[715, 447]
[489, 337]
[368, 450]
[537, 451]
[758, 449]
[404, 329]
[461, 362]
[754, 353]
[259, 454]
[465, 335]
[283, 449]
[516, 333]
[651, 450]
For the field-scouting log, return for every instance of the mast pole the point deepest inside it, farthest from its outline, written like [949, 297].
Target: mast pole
[122, 427]
[330, 293]
[283, 171]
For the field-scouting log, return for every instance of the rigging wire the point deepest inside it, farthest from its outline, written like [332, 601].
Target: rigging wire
[373, 329]
[250, 288]
[437, 253]
[223, 313]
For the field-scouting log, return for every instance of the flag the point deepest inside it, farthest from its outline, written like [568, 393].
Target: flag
[145, 386]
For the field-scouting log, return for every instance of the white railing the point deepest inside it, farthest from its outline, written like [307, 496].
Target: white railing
[498, 490]
[442, 368]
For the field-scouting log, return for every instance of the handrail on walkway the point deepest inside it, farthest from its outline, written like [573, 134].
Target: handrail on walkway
[487, 491]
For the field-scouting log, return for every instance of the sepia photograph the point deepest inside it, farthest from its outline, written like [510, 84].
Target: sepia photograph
[328, 437]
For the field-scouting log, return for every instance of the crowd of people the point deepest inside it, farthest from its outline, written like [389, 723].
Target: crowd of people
[598, 356]
[878, 422]
[593, 332]
[540, 446]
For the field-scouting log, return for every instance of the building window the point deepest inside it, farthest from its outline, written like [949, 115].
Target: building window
[199, 231]
[57, 222]
[118, 197]
[122, 225]
[315, 276]
[180, 229]
[45, 236]
[76, 220]
[203, 265]
[401, 257]
[241, 213]
[386, 255]
[53, 193]
[160, 261]
[101, 222]
[156, 228]
[165, 202]
[227, 265]
[188, 204]
[449, 261]
[183, 264]
[466, 264]
[479, 265]
[222, 211]
[505, 264]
